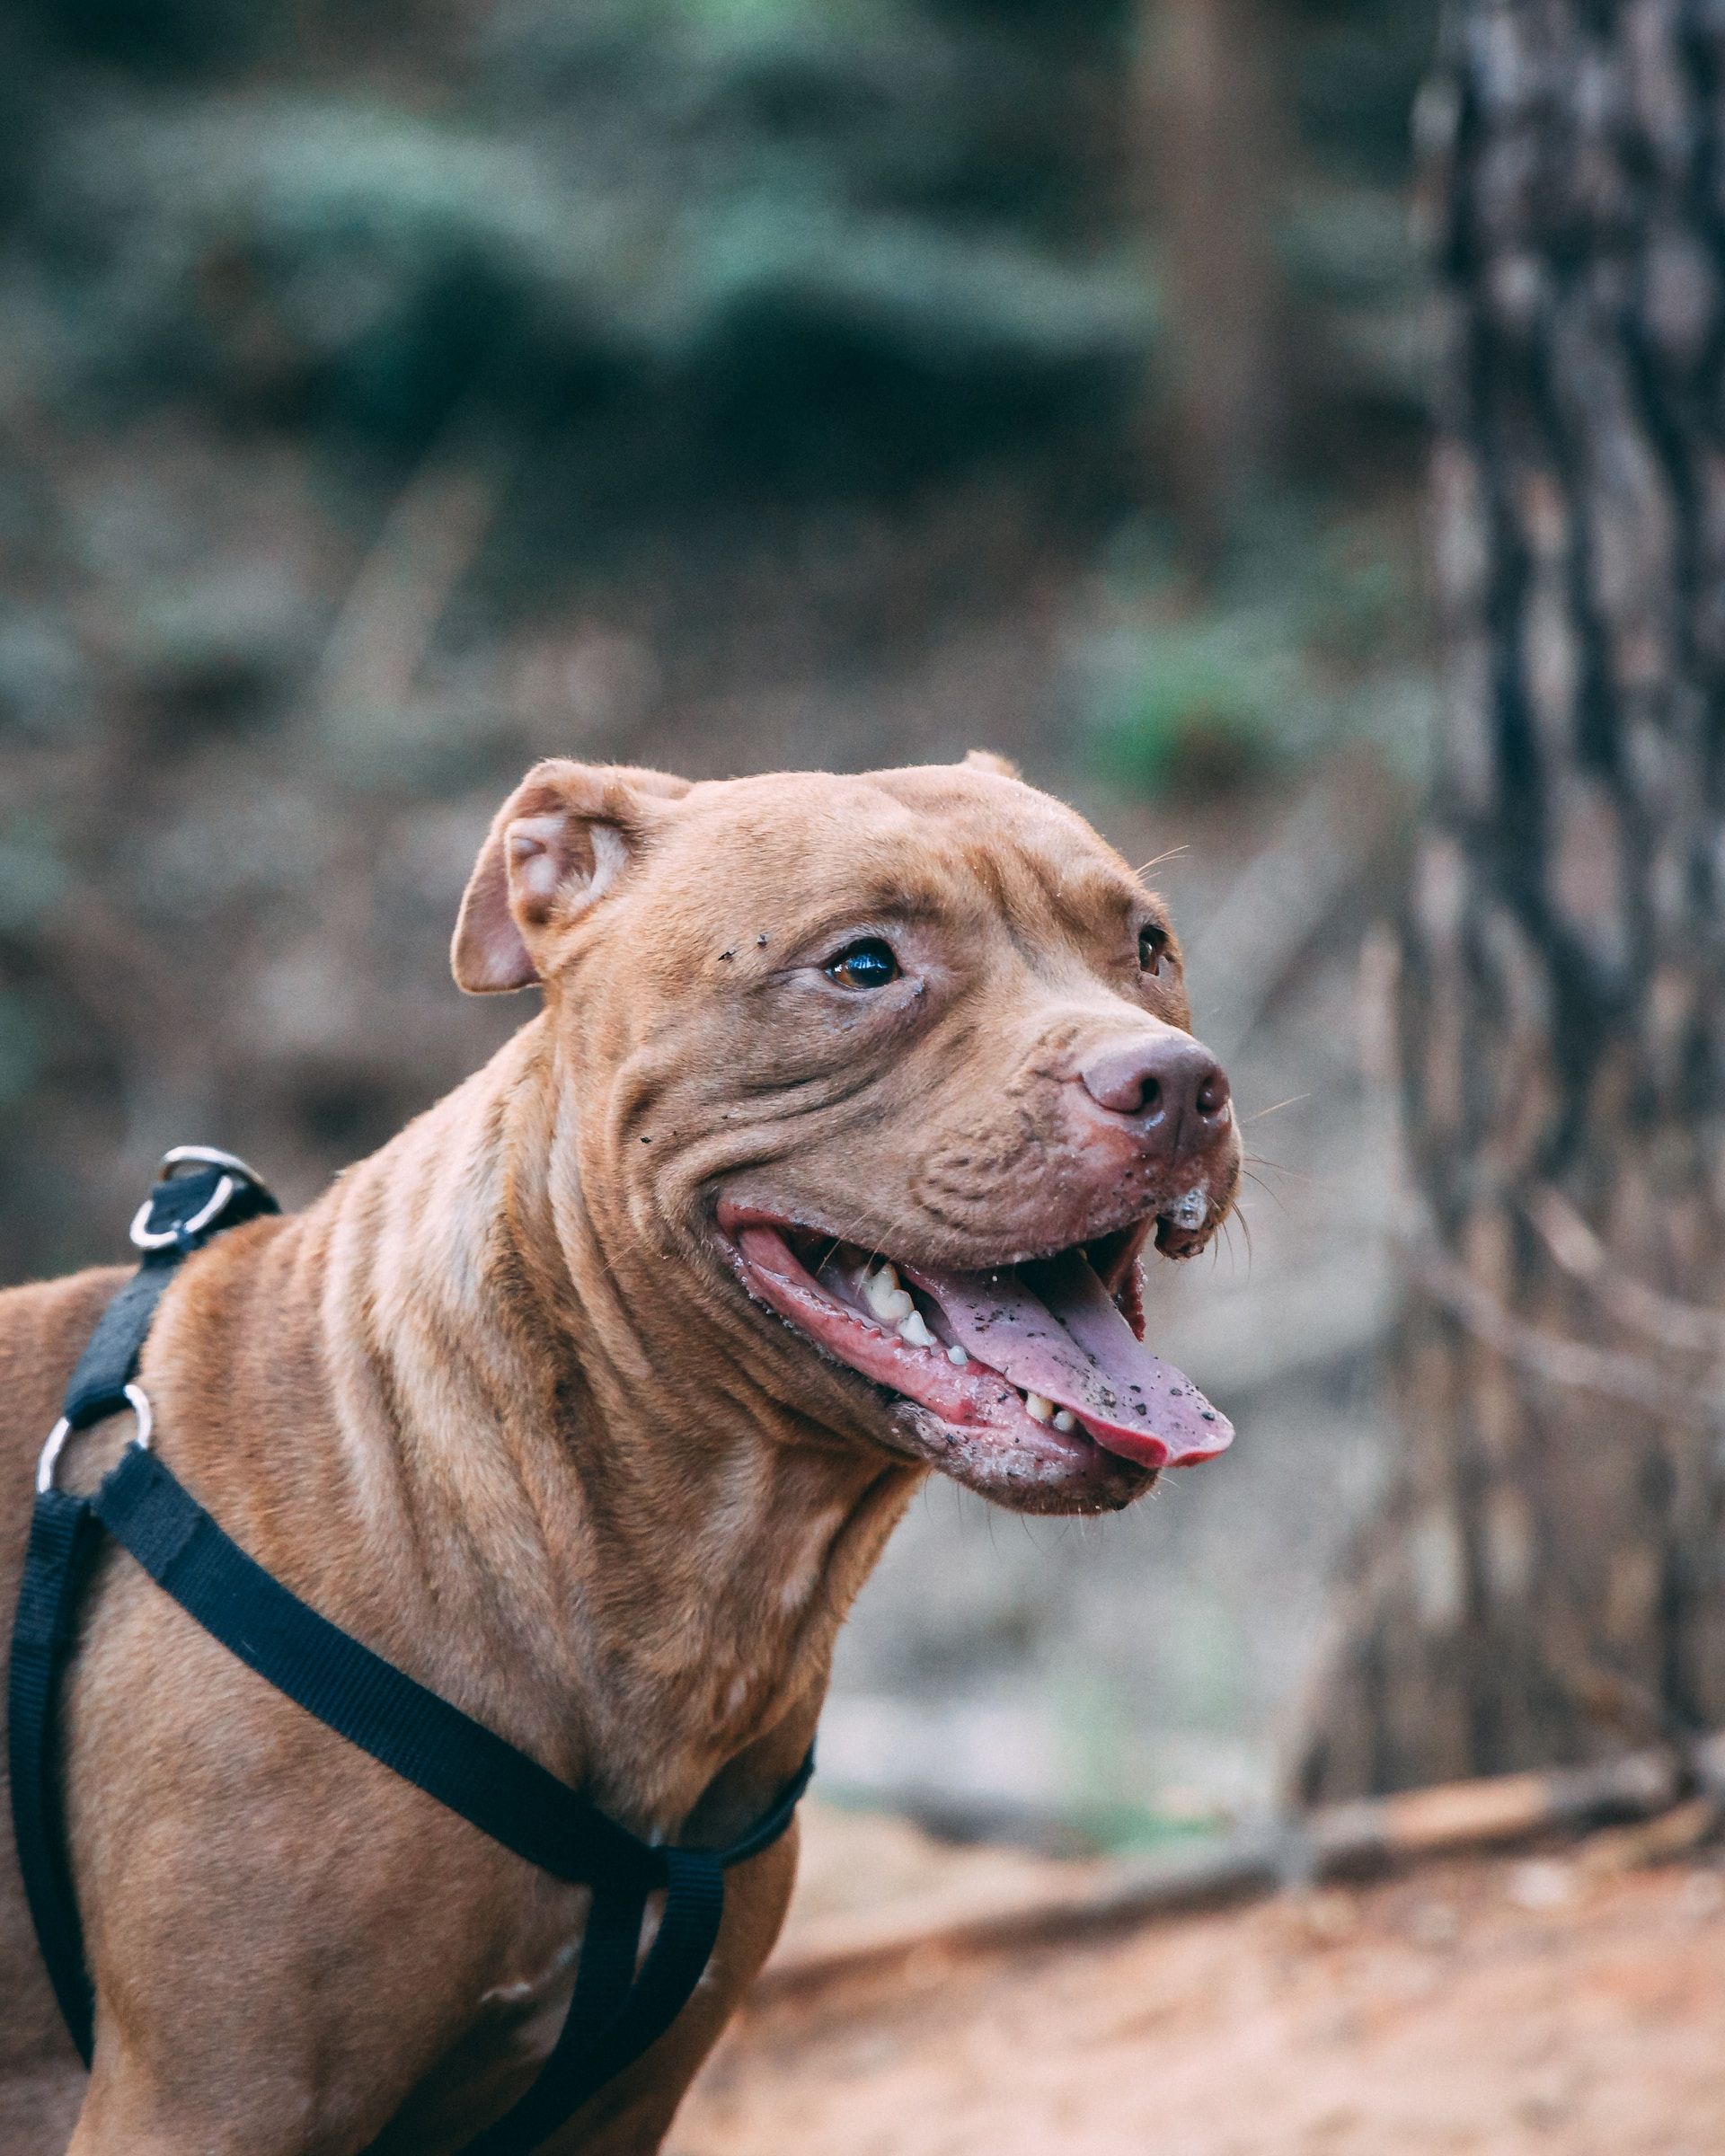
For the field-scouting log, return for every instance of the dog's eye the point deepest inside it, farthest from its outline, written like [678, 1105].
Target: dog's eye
[1153, 943]
[869, 964]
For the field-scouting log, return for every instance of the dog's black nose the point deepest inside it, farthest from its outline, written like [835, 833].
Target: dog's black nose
[1162, 1080]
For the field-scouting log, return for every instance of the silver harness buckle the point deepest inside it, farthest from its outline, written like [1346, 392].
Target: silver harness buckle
[137, 1399]
[143, 1237]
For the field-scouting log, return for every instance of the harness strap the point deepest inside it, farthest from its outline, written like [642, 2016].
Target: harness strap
[603, 1977]
[181, 1213]
[616, 2013]
[504, 1793]
[62, 1540]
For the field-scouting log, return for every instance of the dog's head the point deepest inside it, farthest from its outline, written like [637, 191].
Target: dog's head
[874, 1089]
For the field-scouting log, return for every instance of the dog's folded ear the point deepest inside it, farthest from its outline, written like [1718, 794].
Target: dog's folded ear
[558, 844]
[985, 759]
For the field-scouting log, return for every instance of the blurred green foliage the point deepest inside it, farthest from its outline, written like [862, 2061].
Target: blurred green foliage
[33, 876]
[739, 203]
[21, 1048]
[1313, 636]
[1358, 68]
[1208, 703]
[786, 222]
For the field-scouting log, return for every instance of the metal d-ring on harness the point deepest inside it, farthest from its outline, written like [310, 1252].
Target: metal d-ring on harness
[617, 2011]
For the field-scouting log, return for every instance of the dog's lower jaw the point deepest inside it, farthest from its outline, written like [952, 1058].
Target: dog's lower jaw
[1051, 1474]
[1061, 1478]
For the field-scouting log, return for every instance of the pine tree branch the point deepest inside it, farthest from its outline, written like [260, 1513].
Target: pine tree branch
[1611, 1372]
[1685, 1327]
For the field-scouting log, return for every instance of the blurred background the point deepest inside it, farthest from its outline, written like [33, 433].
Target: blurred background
[392, 393]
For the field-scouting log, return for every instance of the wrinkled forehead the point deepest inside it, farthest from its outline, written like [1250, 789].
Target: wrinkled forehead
[941, 843]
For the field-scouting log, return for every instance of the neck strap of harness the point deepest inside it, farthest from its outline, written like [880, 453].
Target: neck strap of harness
[618, 2008]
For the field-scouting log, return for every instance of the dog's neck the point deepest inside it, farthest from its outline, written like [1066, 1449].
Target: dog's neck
[635, 1561]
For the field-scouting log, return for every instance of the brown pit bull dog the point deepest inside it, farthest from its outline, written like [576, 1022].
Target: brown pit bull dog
[590, 1401]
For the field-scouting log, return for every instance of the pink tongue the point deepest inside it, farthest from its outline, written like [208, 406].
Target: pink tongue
[1052, 1328]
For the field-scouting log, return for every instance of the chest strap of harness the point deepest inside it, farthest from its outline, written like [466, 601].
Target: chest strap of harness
[618, 2008]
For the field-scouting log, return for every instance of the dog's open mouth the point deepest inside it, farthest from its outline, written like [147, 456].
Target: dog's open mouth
[1049, 1349]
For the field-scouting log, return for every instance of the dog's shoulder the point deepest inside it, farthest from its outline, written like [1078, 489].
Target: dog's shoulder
[44, 1325]
[43, 1328]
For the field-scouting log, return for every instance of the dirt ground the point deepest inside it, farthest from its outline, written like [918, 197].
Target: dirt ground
[1524, 2006]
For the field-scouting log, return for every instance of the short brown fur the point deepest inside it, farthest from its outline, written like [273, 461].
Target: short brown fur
[496, 1404]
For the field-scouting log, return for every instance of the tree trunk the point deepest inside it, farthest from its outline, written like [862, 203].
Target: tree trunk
[1548, 1578]
[1214, 162]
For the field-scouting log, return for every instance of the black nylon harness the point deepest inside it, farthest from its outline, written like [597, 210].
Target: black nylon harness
[617, 2011]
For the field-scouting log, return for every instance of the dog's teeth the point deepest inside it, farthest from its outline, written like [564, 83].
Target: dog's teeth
[955, 1354]
[916, 1332]
[885, 1297]
[1038, 1409]
[1065, 1421]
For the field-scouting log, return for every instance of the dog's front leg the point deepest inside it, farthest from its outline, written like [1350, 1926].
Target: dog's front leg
[125, 2114]
[255, 2100]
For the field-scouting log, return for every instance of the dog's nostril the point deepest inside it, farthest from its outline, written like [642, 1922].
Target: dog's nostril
[1160, 1080]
